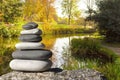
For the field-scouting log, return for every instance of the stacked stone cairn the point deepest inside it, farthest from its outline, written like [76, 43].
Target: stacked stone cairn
[30, 54]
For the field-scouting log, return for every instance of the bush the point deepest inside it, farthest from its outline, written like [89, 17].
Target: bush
[11, 10]
[91, 54]
[108, 19]
[9, 31]
[89, 48]
[5, 58]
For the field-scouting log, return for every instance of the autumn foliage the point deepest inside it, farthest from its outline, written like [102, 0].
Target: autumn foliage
[39, 10]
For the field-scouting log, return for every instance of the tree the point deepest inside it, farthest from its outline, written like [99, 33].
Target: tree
[10, 10]
[33, 10]
[39, 10]
[90, 6]
[48, 8]
[108, 19]
[69, 8]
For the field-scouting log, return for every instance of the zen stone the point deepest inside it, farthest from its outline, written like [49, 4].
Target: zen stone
[32, 31]
[28, 26]
[30, 65]
[30, 38]
[32, 54]
[30, 45]
[33, 23]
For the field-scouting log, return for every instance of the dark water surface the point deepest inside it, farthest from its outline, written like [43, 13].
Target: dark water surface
[59, 45]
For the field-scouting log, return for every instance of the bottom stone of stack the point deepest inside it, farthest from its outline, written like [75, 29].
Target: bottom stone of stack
[30, 65]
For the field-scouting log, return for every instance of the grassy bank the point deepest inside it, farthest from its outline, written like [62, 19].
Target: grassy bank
[58, 29]
[13, 30]
[89, 53]
[89, 48]
[71, 31]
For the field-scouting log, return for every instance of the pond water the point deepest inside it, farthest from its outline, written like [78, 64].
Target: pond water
[59, 45]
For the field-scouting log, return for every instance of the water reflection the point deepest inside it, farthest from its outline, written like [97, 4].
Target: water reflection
[58, 51]
[61, 51]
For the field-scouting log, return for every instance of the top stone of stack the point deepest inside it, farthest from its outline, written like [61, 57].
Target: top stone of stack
[30, 25]
[30, 33]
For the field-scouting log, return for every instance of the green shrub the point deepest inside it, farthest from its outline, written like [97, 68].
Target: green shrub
[107, 17]
[6, 49]
[92, 54]
[5, 58]
[9, 31]
[92, 49]
[3, 31]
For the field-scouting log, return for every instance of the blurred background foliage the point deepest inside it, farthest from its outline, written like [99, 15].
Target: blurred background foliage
[15, 13]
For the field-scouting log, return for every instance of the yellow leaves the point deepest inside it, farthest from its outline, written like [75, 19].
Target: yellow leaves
[46, 26]
[39, 10]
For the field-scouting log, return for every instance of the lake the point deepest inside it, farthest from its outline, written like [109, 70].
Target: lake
[58, 44]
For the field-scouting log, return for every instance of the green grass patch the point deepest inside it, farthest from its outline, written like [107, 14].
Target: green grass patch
[89, 53]
[92, 49]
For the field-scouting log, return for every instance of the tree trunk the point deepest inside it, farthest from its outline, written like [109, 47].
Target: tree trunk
[47, 10]
[69, 19]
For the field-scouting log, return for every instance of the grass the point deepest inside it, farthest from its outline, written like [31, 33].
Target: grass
[89, 48]
[75, 63]
[89, 53]
[70, 29]
[109, 70]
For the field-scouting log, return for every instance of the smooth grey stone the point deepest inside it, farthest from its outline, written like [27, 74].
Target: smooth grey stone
[33, 23]
[30, 38]
[32, 31]
[28, 26]
[32, 54]
[30, 45]
[30, 65]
